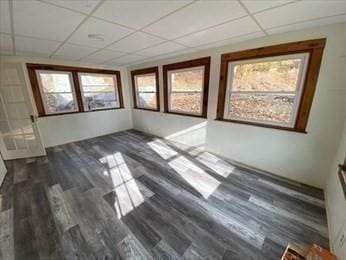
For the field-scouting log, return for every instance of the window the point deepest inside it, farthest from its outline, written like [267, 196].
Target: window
[271, 86]
[99, 91]
[62, 89]
[186, 87]
[57, 91]
[145, 84]
[266, 90]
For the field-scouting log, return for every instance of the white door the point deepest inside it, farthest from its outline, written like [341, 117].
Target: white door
[19, 136]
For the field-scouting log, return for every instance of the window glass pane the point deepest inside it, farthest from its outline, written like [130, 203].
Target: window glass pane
[4, 127]
[187, 80]
[9, 143]
[20, 142]
[146, 100]
[97, 80]
[57, 92]
[99, 100]
[262, 107]
[98, 88]
[279, 75]
[186, 102]
[99, 91]
[55, 82]
[146, 83]
[59, 103]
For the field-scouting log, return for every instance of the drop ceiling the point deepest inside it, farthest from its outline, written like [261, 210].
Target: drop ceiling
[129, 32]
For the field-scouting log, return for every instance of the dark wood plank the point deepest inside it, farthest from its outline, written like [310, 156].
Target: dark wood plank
[174, 237]
[131, 195]
[46, 233]
[25, 239]
[75, 246]
[143, 232]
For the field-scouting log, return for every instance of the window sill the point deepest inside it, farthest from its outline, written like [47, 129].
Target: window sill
[263, 125]
[147, 109]
[81, 112]
[184, 114]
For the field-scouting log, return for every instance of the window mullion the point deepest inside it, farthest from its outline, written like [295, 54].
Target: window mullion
[77, 87]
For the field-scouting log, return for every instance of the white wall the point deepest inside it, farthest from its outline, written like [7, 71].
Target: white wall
[336, 203]
[55, 130]
[335, 199]
[63, 129]
[303, 157]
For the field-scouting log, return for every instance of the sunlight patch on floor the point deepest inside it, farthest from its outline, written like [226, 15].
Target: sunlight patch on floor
[195, 176]
[216, 164]
[128, 197]
[127, 193]
[162, 149]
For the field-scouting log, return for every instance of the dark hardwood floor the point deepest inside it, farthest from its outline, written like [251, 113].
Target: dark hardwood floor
[130, 195]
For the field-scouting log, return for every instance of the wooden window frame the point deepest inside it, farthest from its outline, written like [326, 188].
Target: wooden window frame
[42, 92]
[83, 92]
[315, 50]
[342, 176]
[201, 62]
[32, 68]
[139, 72]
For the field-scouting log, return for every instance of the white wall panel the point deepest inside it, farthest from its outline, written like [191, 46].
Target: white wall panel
[302, 157]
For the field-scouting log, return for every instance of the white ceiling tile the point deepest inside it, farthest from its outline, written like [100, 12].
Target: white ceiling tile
[33, 45]
[236, 28]
[308, 24]
[131, 58]
[232, 40]
[195, 17]
[176, 53]
[166, 55]
[135, 42]
[83, 6]
[93, 60]
[5, 25]
[111, 63]
[103, 55]
[299, 12]
[136, 13]
[66, 58]
[31, 54]
[6, 46]
[161, 49]
[110, 33]
[256, 6]
[37, 19]
[74, 51]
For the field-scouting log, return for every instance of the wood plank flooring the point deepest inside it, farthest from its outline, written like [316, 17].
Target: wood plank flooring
[130, 195]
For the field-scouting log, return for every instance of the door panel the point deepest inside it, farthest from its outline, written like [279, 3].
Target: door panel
[19, 136]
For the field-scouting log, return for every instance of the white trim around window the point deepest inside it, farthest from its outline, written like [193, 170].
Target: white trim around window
[83, 92]
[170, 72]
[303, 57]
[43, 94]
[153, 74]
